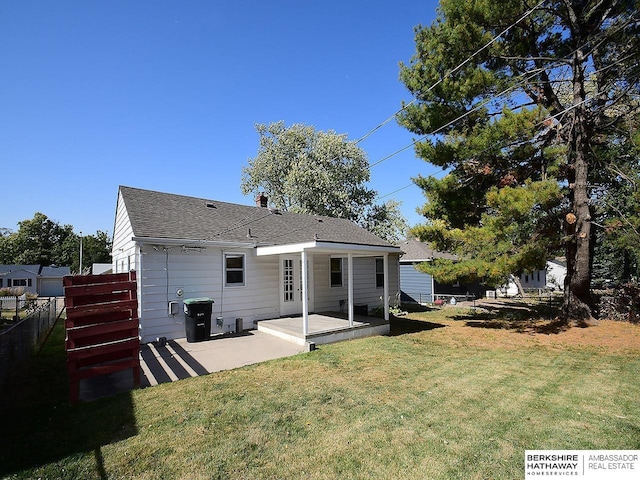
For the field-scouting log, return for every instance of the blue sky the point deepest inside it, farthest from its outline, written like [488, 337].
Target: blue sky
[165, 95]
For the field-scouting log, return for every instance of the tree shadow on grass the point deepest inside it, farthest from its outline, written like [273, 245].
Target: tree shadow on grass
[521, 326]
[402, 325]
[517, 315]
[40, 426]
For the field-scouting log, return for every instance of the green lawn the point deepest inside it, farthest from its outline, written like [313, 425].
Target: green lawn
[452, 399]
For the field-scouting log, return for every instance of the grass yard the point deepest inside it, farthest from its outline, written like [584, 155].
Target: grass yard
[452, 394]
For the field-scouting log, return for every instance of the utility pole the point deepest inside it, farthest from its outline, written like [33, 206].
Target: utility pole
[80, 272]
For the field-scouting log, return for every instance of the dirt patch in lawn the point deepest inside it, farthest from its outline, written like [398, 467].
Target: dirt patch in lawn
[518, 327]
[607, 334]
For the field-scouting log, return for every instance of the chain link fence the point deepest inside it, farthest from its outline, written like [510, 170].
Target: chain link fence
[22, 336]
[621, 304]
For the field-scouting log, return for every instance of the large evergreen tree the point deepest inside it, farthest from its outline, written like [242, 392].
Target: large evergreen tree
[617, 250]
[523, 99]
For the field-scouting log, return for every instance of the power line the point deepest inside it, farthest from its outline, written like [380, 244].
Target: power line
[409, 185]
[451, 72]
[540, 123]
[604, 35]
[460, 117]
[530, 73]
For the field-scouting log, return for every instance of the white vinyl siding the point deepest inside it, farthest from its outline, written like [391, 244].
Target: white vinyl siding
[123, 249]
[200, 274]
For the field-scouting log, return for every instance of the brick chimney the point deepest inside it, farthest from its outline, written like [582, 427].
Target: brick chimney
[262, 201]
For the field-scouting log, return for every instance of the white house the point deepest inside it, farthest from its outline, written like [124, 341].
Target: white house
[551, 278]
[255, 262]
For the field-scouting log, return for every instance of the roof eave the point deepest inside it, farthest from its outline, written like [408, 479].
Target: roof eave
[326, 247]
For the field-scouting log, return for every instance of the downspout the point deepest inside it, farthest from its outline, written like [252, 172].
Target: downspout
[385, 270]
[433, 289]
[222, 280]
[305, 287]
[140, 280]
[350, 284]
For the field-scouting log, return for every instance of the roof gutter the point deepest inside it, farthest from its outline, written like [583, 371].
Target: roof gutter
[326, 247]
[190, 243]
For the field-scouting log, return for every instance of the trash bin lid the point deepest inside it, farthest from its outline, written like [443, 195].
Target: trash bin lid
[198, 301]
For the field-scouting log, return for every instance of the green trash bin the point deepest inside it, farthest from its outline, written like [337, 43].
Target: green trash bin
[197, 319]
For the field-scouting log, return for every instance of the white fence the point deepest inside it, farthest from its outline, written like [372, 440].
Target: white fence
[9, 303]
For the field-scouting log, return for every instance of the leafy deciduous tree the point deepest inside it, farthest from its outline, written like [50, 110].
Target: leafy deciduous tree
[45, 242]
[307, 171]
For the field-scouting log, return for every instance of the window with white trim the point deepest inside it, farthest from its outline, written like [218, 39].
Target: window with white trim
[336, 272]
[234, 265]
[379, 273]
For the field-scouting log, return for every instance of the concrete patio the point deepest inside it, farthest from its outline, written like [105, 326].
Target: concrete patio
[179, 359]
[275, 338]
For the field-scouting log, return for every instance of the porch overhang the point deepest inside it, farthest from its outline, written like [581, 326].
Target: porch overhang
[349, 250]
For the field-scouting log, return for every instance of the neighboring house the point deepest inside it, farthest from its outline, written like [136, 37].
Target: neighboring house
[551, 278]
[420, 287]
[101, 268]
[35, 279]
[251, 260]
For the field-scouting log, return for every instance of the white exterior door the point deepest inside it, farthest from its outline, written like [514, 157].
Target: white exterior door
[290, 285]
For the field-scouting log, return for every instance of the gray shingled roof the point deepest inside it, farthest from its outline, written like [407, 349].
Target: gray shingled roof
[5, 269]
[417, 251]
[168, 216]
[55, 272]
[51, 271]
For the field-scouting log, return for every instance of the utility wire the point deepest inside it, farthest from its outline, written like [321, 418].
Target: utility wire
[460, 117]
[379, 197]
[531, 74]
[451, 72]
[604, 36]
[540, 123]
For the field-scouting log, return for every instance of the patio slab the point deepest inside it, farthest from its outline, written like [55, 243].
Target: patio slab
[276, 338]
[179, 359]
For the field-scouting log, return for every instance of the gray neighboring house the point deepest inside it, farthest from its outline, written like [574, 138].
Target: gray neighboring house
[254, 262]
[420, 287]
[36, 279]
